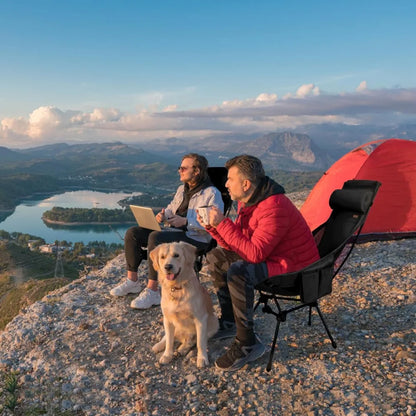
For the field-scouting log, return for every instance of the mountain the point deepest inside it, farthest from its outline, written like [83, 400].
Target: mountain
[99, 166]
[63, 158]
[7, 155]
[283, 151]
[287, 151]
[93, 159]
[338, 139]
[153, 163]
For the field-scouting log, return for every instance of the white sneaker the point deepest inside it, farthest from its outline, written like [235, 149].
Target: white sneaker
[128, 286]
[146, 299]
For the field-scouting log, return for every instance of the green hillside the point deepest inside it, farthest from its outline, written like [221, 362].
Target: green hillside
[14, 298]
[296, 181]
[26, 277]
[17, 186]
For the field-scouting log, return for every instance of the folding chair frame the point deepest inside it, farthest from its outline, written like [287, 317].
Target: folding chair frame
[293, 292]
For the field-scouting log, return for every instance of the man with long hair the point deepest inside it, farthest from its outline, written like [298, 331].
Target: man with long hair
[181, 216]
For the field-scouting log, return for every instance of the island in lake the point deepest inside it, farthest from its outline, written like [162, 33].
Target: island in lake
[77, 216]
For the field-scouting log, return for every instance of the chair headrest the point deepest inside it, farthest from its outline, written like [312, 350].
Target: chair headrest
[357, 200]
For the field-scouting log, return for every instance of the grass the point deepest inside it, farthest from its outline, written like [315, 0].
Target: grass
[25, 264]
[8, 391]
[14, 298]
[296, 181]
[19, 287]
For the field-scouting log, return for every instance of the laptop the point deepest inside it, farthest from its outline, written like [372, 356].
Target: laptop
[145, 217]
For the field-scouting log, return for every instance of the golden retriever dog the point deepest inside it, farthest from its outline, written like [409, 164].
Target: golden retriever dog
[188, 314]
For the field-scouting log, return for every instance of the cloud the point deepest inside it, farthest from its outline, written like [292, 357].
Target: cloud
[307, 89]
[362, 86]
[45, 122]
[261, 100]
[263, 113]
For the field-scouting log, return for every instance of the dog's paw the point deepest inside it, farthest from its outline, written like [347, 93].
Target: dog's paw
[160, 346]
[185, 348]
[165, 359]
[202, 362]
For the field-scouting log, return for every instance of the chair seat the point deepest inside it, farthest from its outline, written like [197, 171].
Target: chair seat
[284, 284]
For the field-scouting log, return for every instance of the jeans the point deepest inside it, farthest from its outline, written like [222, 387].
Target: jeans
[234, 280]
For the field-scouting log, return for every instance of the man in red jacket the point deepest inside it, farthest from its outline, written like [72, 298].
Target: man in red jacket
[268, 237]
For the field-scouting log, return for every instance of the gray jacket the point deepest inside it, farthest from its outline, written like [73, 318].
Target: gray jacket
[206, 196]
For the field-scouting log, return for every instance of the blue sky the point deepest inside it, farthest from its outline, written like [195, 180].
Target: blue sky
[136, 70]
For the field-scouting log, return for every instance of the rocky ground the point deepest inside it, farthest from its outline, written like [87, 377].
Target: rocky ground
[80, 351]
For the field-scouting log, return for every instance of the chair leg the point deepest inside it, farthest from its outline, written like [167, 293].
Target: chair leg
[276, 332]
[334, 344]
[310, 316]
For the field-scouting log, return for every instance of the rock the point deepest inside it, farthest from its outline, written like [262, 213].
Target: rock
[81, 351]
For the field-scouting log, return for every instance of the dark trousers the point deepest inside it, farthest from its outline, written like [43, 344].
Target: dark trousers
[234, 280]
[137, 239]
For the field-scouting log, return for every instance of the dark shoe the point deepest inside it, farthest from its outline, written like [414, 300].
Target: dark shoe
[227, 329]
[238, 355]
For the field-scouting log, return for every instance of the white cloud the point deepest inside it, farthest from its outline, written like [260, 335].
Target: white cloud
[102, 114]
[362, 86]
[265, 112]
[307, 89]
[261, 99]
[265, 98]
[45, 121]
[14, 126]
[172, 107]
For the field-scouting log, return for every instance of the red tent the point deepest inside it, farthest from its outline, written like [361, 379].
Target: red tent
[391, 162]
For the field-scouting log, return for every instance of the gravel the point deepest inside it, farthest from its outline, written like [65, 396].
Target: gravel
[80, 351]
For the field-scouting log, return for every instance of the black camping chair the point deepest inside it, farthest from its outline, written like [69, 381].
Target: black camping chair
[350, 206]
[218, 176]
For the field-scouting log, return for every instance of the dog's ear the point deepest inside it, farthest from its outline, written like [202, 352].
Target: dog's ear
[190, 252]
[154, 256]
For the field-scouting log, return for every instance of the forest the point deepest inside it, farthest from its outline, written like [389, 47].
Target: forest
[88, 215]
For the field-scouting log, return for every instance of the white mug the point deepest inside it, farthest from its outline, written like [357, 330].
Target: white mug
[204, 213]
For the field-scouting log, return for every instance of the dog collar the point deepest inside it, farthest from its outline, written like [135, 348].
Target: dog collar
[172, 293]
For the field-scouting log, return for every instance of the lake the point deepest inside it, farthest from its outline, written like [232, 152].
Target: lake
[27, 218]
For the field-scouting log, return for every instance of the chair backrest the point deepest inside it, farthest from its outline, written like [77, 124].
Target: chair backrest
[218, 176]
[350, 206]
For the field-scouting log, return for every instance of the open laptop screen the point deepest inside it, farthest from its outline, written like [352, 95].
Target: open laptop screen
[145, 217]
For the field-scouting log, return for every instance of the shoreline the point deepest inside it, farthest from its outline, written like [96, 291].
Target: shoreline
[69, 224]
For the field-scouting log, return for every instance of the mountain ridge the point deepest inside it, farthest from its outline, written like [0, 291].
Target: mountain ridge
[285, 151]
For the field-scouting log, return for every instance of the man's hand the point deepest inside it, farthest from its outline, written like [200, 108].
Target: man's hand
[215, 217]
[177, 221]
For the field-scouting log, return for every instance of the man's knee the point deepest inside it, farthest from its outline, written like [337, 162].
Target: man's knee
[246, 274]
[217, 267]
[238, 271]
[213, 256]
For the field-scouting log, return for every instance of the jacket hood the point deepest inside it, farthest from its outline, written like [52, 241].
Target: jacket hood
[267, 187]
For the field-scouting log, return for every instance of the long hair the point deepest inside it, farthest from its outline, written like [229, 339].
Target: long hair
[201, 163]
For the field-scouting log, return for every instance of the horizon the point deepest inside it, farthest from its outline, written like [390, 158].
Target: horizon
[83, 72]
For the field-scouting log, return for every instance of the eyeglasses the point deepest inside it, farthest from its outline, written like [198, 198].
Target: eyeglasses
[184, 168]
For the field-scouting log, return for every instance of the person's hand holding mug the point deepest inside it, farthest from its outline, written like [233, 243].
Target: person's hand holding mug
[213, 217]
[203, 213]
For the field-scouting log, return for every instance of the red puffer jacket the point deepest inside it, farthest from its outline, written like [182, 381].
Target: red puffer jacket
[272, 231]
